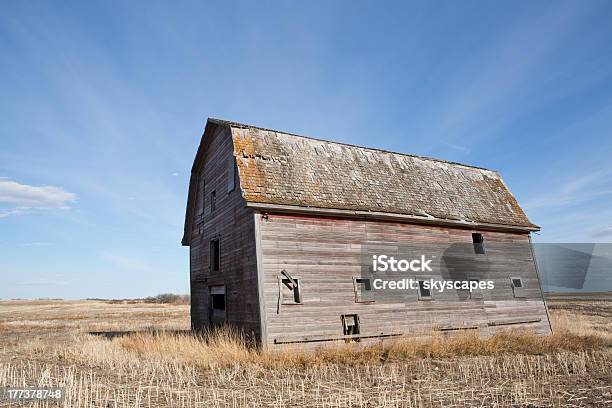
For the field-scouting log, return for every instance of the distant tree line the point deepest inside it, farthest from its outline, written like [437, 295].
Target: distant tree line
[171, 298]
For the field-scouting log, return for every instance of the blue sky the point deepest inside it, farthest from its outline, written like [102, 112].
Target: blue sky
[103, 105]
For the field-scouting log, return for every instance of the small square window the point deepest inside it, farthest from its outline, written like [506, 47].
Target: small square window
[350, 325]
[477, 292]
[424, 292]
[290, 291]
[213, 201]
[478, 241]
[363, 290]
[518, 289]
[218, 301]
[215, 255]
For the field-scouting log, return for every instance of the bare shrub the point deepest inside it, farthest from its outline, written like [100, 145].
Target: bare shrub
[170, 298]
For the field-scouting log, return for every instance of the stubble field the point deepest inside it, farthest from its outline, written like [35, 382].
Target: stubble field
[126, 354]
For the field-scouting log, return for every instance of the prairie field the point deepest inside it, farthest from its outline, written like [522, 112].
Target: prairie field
[136, 354]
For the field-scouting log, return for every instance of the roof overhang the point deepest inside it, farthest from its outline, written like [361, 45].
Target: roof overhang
[373, 215]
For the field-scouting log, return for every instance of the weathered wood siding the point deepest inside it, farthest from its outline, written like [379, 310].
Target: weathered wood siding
[325, 255]
[232, 223]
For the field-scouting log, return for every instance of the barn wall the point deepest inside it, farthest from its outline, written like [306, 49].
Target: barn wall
[232, 223]
[325, 254]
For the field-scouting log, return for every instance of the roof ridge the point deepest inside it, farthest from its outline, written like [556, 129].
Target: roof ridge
[247, 126]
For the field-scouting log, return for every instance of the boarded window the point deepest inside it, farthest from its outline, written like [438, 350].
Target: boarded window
[518, 289]
[213, 201]
[231, 177]
[215, 255]
[217, 304]
[201, 195]
[363, 290]
[350, 325]
[478, 241]
[424, 292]
[290, 291]
[475, 293]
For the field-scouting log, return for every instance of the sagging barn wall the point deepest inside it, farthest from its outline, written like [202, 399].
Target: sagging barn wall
[220, 215]
[237, 253]
[325, 255]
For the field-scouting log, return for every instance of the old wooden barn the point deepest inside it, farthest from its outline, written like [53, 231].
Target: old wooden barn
[277, 225]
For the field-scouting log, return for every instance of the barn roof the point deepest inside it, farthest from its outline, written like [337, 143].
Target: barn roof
[283, 169]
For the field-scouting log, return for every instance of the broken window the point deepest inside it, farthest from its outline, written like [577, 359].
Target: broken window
[218, 301]
[215, 255]
[213, 201]
[478, 241]
[475, 293]
[363, 290]
[350, 325]
[217, 304]
[290, 291]
[518, 289]
[424, 292]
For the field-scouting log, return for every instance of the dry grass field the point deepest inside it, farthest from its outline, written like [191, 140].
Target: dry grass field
[110, 354]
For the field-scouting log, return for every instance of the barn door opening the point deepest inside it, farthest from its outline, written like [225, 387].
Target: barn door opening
[216, 308]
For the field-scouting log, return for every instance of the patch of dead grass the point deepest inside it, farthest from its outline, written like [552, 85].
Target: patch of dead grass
[158, 368]
[227, 347]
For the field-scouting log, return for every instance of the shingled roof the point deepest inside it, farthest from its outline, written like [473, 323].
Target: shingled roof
[283, 169]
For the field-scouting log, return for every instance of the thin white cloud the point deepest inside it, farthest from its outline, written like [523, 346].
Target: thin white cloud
[458, 147]
[127, 263]
[577, 190]
[602, 233]
[12, 211]
[24, 195]
[42, 282]
[477, 105]
[24, 198]
[52, 279]
[35, 244]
